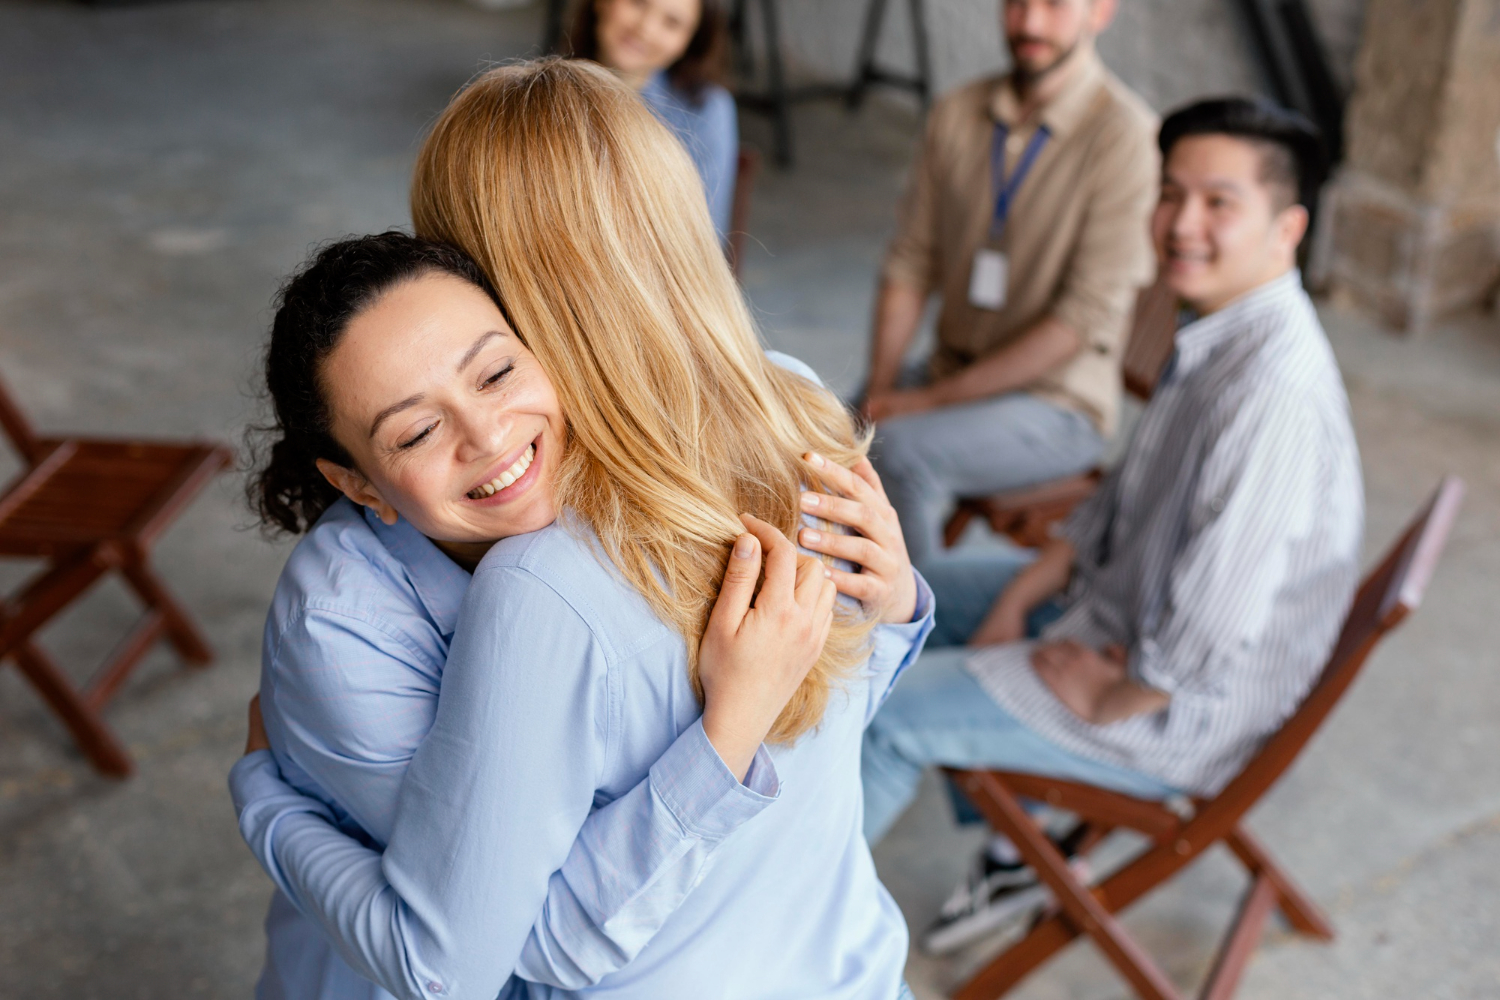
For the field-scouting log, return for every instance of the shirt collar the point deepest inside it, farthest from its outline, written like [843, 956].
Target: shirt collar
[1084, 75]
[1197, 339]
[440, 582]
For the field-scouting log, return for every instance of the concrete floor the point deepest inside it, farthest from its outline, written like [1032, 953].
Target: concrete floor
[164, 165]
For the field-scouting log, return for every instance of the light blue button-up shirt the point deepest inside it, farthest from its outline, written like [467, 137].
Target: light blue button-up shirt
[561, 690]
[354, 651]
[710, 130]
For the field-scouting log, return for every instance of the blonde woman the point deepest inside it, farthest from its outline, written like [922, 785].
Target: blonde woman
[644, 416]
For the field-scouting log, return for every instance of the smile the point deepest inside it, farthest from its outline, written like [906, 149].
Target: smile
[505, 478]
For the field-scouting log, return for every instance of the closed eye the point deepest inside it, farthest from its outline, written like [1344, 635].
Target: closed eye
[416, 440]
[499, 376]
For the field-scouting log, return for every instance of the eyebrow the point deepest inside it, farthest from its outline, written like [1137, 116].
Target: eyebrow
[393, 409]
[410, 401]
[472, 352]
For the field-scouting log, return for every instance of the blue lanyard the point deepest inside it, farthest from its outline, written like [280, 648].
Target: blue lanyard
[1006, 187]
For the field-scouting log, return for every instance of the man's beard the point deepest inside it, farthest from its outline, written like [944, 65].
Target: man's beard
[1029, 77]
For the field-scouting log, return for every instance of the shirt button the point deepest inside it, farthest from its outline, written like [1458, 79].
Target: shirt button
[1216, 505]
[434, 987]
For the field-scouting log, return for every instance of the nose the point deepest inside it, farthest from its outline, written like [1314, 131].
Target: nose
[1186, 218]
[1031, 18]
[481, 434]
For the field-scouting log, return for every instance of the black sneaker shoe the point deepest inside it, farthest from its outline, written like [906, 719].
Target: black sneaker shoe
[995, 895]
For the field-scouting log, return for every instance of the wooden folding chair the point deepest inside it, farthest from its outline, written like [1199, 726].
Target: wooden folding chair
[1179, 835]
[747, 168]
[87, 506]
[1028, 513]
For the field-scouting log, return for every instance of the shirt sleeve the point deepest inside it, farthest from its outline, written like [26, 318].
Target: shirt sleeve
[718, 160]
[896, 647]
[1084, 528]
[912, 258]
[1254, 500]
[498, 861]
[1113, 256]
[347, 700]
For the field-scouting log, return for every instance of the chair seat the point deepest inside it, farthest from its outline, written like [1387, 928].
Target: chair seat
[88, 491]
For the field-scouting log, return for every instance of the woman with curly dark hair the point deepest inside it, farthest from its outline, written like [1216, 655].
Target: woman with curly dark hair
[360, 627]
[672, 53]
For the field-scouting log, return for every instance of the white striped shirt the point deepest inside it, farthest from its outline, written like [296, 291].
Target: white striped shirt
[1222, 553]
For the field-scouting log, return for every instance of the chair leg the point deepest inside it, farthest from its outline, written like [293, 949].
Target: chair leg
[189, 643]
[94, 737]
[1300, 911]
[1239, 945]
[1079, 905]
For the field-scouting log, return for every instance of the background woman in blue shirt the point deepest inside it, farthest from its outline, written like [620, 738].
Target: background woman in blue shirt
[672, 53]
[624, 380]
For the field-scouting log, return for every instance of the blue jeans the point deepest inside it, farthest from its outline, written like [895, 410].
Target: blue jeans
[926, 460]
[940, 715]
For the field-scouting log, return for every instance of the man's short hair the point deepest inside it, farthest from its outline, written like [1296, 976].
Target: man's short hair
[1294, 160]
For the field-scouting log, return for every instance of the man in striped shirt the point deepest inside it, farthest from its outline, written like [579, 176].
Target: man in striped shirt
[1202, 587]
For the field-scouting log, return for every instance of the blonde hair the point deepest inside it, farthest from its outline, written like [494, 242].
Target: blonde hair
[590, 220]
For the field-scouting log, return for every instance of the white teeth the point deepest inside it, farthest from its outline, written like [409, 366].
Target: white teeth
[507, 477]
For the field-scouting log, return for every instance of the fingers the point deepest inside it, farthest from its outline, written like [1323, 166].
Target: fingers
[738, 588]
[781, 560]
[853, 513]
[855, 548]
[864, 470]
[863, 587]
[836, 476]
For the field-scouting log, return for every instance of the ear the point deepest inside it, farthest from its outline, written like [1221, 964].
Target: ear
[1101, 13]
[1291, 225]
[357, 488]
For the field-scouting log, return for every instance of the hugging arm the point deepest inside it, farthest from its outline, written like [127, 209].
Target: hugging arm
[495, 862]
[405, 922]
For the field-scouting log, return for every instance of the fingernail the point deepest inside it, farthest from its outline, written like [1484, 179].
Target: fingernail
[809, 499]
[810, 536]
[815, 459]
[827, 573]
[745, 547]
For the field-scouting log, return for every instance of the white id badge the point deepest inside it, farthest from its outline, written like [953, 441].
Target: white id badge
[988, 279]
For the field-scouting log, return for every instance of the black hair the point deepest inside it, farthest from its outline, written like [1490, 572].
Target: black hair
[701, 63]
[313, 309]
[1294, 159]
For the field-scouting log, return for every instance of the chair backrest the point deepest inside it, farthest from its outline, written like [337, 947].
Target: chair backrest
[18, 428]
[1153, 329]
[1392, 591]
[746, 168]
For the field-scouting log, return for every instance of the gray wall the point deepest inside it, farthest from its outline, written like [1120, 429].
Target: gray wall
[1168, 50]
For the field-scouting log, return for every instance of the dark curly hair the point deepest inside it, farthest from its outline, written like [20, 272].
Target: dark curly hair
[701, 63]
[313, 309]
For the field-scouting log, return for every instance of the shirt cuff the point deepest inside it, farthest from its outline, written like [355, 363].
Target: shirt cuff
[904, 642]
[700, 791]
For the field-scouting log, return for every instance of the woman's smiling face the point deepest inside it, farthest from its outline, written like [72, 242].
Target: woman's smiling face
[449, 419]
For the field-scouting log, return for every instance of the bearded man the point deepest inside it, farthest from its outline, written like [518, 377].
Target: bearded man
[1026, 214]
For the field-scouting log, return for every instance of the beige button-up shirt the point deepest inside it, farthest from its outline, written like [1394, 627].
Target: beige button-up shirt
[1077, 233]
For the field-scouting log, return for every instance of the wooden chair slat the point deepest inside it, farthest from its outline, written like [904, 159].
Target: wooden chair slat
[90, 506]
[1388, 594]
